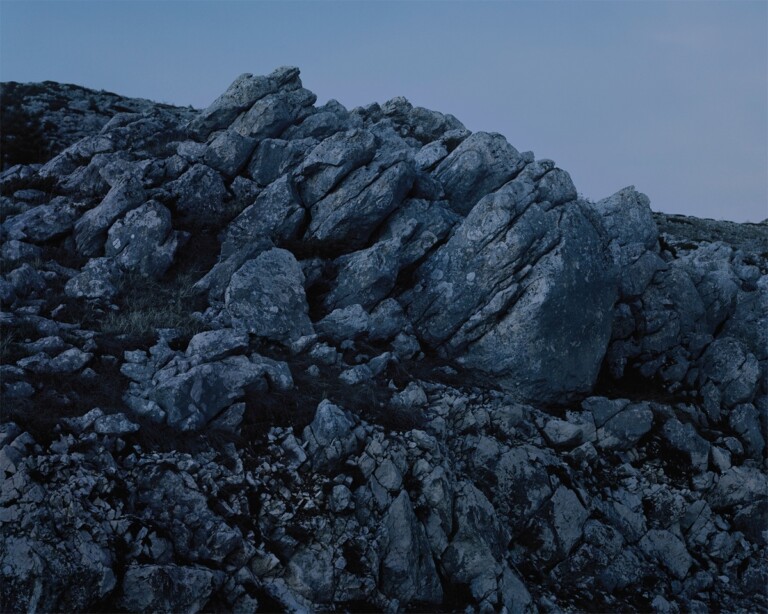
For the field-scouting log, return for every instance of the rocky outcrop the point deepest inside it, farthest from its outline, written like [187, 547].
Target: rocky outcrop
[276, 356]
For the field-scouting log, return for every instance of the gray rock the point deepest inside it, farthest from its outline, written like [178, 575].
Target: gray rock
[214, 345]
[331, 161]
[91, 229]
[668, 550]
[407, 570]
[166, 588]
[482, 163]
[229, 152]
[413, 397]
[199, 195]
[629, 221]
[472, 557]
[271, 115]
[16, 252]
[42, 223]
[420, 225]
[329, 437]
[684, 439]
[361, 202]
[513, 261]
[558, 526]
[738, 486]
[344, 323]
[26, 281]
[753, 522]
[577, 429]
[144, 241]
[624, 430]
[194, 398]
[244, 92]
[114, 424]
[266, 297]
[387, 320]
[311, 573]
[745, 421]
[69, 361]
[733, 369]
[356, 375]
[276, 214]
[365, 277]
[276, 157]
[98, 280]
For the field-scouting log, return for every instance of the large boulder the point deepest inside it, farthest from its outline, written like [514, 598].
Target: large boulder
[522, 289]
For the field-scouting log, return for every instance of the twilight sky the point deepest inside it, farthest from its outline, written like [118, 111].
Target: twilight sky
[669, 96]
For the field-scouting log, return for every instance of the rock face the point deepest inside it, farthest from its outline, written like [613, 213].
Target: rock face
[276, 356]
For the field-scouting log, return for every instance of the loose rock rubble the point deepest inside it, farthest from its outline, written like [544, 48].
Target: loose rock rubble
[275, 356]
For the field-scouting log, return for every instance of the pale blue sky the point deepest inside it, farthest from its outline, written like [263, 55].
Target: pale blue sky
[669, 96]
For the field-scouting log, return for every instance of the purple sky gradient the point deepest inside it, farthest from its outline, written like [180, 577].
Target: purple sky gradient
[669, 96]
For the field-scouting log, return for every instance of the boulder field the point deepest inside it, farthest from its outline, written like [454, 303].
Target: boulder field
[274, 356]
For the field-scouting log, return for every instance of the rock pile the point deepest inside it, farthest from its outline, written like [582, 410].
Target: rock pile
[271, 355]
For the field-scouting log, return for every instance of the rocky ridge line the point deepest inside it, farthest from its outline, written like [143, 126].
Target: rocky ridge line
[300, 357]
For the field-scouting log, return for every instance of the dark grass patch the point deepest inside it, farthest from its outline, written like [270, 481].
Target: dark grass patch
[636, 388]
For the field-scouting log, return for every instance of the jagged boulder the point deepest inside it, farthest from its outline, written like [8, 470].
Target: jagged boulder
[523, 290]
[266, 297]
[144, 240]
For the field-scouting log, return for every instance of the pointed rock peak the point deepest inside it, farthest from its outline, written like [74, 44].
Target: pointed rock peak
[244, 92]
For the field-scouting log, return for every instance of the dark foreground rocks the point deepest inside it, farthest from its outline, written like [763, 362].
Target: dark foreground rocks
[275, 356]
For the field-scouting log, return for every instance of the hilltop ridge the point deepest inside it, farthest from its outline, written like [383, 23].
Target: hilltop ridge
[289, 356]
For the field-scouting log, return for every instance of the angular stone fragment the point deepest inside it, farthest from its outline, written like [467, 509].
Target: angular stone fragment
[91, 228]
[42, 223]
[229, 152]
[361, 202]
[144, 241]
[365, 277]
[733, 368]
[520, 291]
[407, 570]
[667, 550]
[240, 96]
[575, 430]
[331, 161]
[344, 323]
[271, 115]
[193, 398]
[276, 214]
[737, 486]
[199, 196]
[97, 280]
[624, 430]
[745, 421]
[329, 437]
[684, 439]
[214, 345]
[482, 163]
[266, 297]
